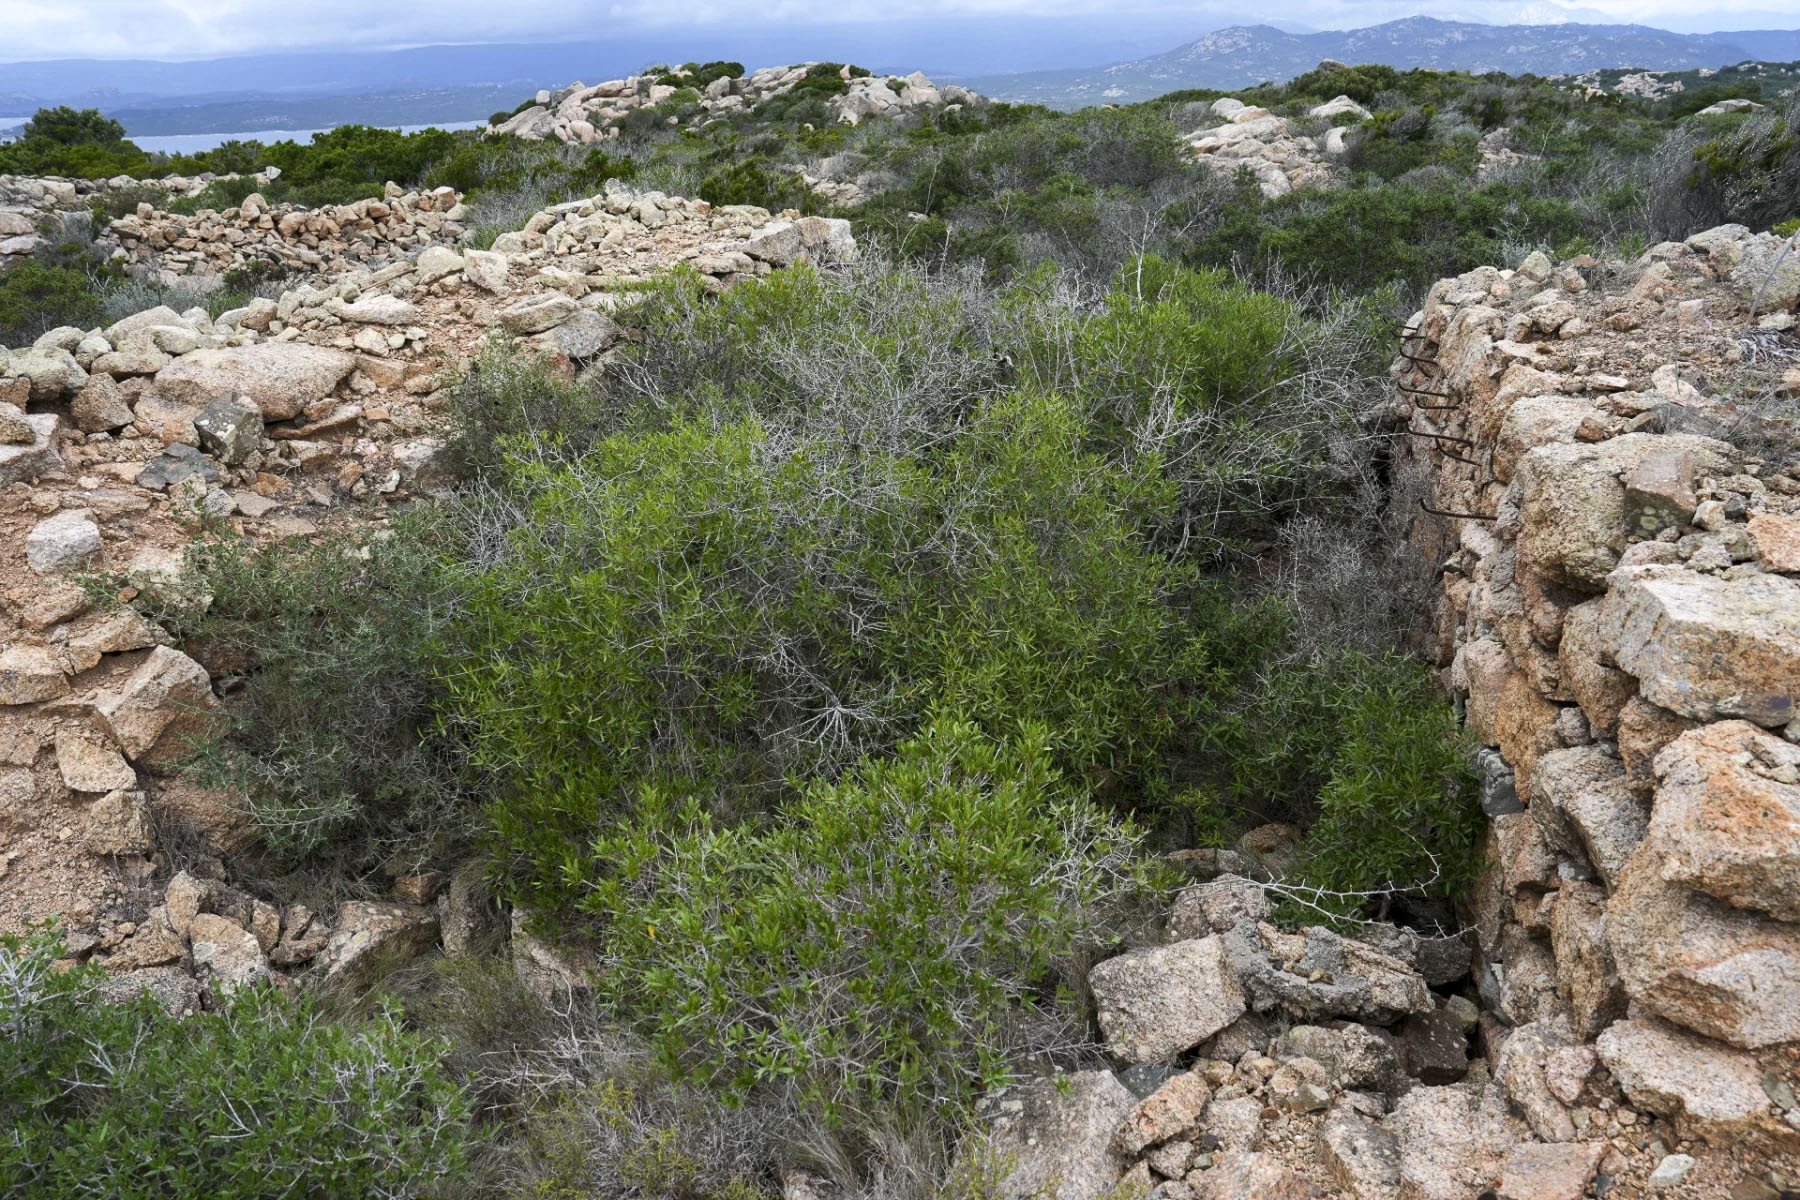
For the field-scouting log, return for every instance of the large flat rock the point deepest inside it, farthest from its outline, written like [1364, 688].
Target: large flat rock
[1708, 647]
[1710, 1089]
[280, 378]
[1728, 816]
[1157, 1003]
[1722, 971]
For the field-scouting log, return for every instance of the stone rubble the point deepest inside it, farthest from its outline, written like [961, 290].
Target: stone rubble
[298, 417]
[585, 114]
[29, 205]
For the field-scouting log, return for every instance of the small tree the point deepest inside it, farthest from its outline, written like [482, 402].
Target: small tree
[70, 127]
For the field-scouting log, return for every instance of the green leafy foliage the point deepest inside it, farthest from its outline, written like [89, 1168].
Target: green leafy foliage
[888, 943]
[261, 1098]
[703, 613]
[333, 729]
[36, 296]
[1398, 814]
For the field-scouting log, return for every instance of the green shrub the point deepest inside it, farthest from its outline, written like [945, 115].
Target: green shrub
[1406, 233]
[332, 729]
[754, 180]
[1398, 815]
[262, 1098]
[711, 610]
[83, 144]
[890, 942]
[37, 296]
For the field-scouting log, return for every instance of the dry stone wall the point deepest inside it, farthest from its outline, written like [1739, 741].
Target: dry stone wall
[30, 204]
[1606, 477]
[1603, 478]
[303, 241]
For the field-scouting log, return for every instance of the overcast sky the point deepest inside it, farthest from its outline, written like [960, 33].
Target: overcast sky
[185, 29]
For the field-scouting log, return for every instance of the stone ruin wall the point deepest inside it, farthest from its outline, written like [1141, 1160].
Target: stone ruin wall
[206, 245]
[1603, 475]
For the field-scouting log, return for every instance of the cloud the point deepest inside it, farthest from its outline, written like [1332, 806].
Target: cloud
[190, 29]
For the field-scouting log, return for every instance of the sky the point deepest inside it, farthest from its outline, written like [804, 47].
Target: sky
[189, 29]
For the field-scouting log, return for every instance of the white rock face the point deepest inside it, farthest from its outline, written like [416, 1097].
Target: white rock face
[65, 542]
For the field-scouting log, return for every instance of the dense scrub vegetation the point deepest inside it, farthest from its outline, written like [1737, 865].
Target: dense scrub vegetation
[260, 1098]
[828, 666]
[1012, 187]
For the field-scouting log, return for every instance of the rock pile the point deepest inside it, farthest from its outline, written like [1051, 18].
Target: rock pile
[585, 114]
[1282, 157]
[296, 417]
[305, 241]
[30, 204]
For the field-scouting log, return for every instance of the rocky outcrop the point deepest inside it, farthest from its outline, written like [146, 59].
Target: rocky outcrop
[588, 113]
[1284, 154]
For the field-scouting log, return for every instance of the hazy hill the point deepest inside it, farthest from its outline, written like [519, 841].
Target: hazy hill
[1246, 55]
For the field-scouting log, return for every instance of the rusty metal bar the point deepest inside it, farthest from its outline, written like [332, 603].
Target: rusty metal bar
[1442, 437]
[1444, 512]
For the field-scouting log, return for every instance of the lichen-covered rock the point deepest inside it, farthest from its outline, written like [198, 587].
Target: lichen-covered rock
[1708, 647]
[1573, 504]
[1727, 817]
[1250, 1175]
[1723, 971]
[1550, 1172]
[1586, 977]
[29, 674]
[370, 935]
[119, 823]
[280, 378]
[1055, 1136]
[157, 714]
[1361, 1155]
[1453, 1142]
[1169, 1112]
[1711, 1090]
[64, 542]
[1586, 808]
[228, 953]
[1157, 1003]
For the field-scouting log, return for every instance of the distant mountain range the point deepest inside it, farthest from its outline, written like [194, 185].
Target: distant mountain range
[1246, 55]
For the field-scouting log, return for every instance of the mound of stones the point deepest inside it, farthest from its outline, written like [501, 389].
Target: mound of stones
[301, 241]
[1275, 149]
[29, 205]
[297, 417]
[588, 113]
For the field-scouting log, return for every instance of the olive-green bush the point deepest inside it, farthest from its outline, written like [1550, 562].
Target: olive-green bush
[334, 723]
[259, 1099]
[710, 611]
[889, 942]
